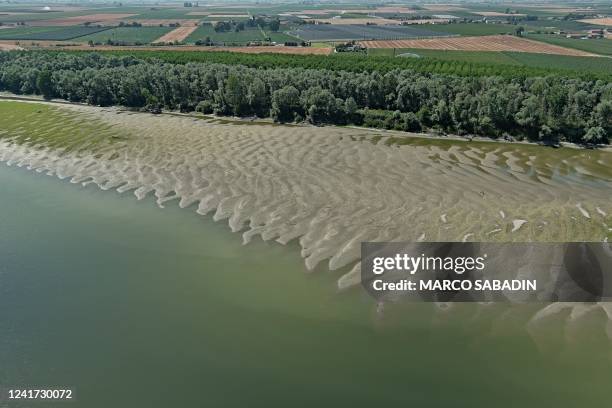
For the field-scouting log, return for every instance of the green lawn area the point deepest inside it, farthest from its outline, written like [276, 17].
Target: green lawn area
[229, 37]
[597, 46]
[471, 29]
[141, 35]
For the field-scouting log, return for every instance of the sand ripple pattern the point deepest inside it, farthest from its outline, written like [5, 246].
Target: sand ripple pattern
[332, 188]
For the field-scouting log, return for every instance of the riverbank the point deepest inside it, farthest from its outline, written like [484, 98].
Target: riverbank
[395, 136]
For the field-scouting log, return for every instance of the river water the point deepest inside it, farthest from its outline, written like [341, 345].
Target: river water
[132, 305]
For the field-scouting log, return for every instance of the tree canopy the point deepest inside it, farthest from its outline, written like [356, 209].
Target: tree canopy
[546, 109]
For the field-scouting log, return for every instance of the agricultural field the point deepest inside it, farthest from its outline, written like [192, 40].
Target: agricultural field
[128, 35]
[96, 18]
[49, 33]
[328, 32]
[280, 37]
[156, 13]
[586, 64]
[555, 25]
[177, 35]
[597, 46]
[229, 37]
[493, 43]
[472, 29]
[598, 21]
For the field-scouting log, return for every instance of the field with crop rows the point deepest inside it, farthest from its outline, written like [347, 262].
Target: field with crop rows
[229, 37]
[130, 35]
[491, 43]
[166, 14]
[472, 29]
[586, 64]
[598, 46]
[48, 33]
[328, 32]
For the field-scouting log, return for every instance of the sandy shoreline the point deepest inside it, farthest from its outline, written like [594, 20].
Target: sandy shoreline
[329, 188]
[239, 120]
[330, 191]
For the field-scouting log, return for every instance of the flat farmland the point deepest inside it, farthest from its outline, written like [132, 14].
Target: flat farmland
[178, 34]
[607, 21]
[158, 22]
[597, 46]
[328, 32]
[472, 29]
[489, 43]
[281, 37]
[349, 21]
[166, 13]
[583, 64]
[226, 37]
[159, 51]
[49, 33]
[88, 18]
[130, 35]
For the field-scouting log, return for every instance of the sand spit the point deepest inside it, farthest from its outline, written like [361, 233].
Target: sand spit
[332, 188]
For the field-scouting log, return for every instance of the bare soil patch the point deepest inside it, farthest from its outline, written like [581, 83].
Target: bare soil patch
[178, 34]
[606, 21]
[9, 47]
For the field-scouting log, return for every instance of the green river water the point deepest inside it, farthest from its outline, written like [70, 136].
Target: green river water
[132, 306]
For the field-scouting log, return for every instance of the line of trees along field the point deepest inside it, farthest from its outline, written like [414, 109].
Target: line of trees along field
[545, 109]
[357, 62]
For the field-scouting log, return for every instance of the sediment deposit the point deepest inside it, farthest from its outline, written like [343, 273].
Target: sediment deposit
[330, 188]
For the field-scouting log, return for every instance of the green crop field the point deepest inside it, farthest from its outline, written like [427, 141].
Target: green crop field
[554, 25]
[229, 37]
[447, 55]
[597, 46]
[48, 33]
[143, 35]
[41, 16]
[167, 13]
[281, 37]
[471, 29]
[586, 64]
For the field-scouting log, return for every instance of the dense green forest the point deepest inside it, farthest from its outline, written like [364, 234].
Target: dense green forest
[545, 109]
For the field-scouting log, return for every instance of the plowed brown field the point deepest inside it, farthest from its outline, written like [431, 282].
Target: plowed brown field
[178, 34]
[483, 43]
[607, 21]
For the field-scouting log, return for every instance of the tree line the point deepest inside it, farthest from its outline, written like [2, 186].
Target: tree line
[546, 109]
